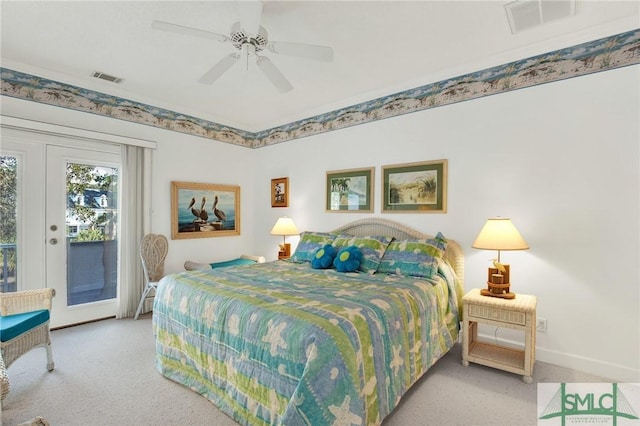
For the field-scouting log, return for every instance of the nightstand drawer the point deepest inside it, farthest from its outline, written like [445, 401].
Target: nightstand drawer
[511, 317]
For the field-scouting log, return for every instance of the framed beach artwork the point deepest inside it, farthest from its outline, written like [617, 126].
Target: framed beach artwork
[350, 191]
[201, 210]
[415, 187]
[280, 192]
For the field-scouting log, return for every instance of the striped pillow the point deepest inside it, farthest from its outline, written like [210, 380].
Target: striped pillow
[372, 248]
[414, 257]
[309, 243]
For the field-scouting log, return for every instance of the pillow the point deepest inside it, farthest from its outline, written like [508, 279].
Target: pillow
[414, 257]
[372, 247]
[309, 242]
[323, 257]
[348, 259]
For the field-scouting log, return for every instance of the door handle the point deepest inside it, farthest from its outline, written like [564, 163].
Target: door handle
[53, 241]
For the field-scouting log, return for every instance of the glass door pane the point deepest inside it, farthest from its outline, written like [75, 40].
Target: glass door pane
[91, 223]
[8, 223]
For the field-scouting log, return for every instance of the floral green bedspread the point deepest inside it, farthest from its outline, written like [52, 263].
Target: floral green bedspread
[282, 343]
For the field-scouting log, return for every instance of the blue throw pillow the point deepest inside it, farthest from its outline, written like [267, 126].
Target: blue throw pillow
[372, 247]
[348, 259]
[323, 257]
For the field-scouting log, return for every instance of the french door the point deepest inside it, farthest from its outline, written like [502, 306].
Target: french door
[66, 223]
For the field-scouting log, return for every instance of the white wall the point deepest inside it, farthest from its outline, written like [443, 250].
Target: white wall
[560, 159]
[184, 158]
[178, 157]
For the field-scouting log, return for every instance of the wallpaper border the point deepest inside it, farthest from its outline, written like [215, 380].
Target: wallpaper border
[600, 55]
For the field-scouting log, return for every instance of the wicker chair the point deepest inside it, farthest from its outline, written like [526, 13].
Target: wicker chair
[153, 252]
[24, 322]
[4, 381]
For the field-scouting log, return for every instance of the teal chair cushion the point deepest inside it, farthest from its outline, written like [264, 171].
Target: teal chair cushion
[234, 262]
[12, 326]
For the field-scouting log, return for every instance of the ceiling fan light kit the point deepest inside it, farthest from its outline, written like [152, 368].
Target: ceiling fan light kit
[239, 38]
[250, 44]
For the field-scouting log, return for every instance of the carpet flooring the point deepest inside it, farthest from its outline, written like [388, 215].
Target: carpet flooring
[105, 375]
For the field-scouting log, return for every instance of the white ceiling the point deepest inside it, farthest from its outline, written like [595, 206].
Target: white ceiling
[380, 47]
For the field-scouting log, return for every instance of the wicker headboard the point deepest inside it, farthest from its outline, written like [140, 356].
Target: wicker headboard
[376, 226]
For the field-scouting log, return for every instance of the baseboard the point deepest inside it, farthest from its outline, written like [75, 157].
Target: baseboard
[604, 369]
[608, 370]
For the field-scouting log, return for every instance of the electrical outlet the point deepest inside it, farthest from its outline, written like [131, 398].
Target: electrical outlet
[541, 326]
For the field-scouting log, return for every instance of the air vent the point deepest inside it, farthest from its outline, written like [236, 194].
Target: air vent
[525, 14]
[107, 77]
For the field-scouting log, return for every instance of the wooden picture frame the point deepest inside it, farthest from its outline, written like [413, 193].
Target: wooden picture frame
[350, 191]
[280, 192]
[415, 187]
[220, 218]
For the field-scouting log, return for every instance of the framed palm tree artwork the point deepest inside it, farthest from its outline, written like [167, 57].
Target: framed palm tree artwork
[350, 191]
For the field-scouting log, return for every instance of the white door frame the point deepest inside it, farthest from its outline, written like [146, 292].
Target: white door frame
[57, 260]
[26, 139]
[29, 222]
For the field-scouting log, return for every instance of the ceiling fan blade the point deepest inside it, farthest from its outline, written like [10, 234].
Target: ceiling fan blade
[179, 29]
[311, 51]
[220, 68]
[250, 14]
[273, 74]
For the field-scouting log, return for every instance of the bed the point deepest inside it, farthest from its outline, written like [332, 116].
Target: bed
[284, 343]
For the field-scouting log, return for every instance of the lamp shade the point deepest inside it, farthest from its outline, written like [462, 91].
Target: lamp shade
[500, 234]
[284, 226]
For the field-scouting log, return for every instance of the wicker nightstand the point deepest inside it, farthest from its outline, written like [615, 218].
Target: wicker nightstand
[517, 314]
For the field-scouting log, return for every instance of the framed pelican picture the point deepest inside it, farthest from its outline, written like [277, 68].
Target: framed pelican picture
[201, 210]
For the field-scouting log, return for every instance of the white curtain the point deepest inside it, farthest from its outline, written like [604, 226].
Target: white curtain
[135, 222]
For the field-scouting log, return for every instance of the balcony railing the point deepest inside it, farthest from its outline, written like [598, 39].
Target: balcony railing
[91, 272]
[8, 279]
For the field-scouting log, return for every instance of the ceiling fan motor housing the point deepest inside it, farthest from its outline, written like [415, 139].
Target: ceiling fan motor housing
[239, 38]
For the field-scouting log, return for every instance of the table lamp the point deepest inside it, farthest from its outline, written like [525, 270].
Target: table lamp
[284, 226]
[499, 233]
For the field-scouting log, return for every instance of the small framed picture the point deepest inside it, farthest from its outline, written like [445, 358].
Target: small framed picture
[280, 192]
[350, 191]
[415, 187]
[201, 210]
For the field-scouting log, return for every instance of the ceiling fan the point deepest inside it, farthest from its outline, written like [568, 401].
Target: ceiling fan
[250, 38]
